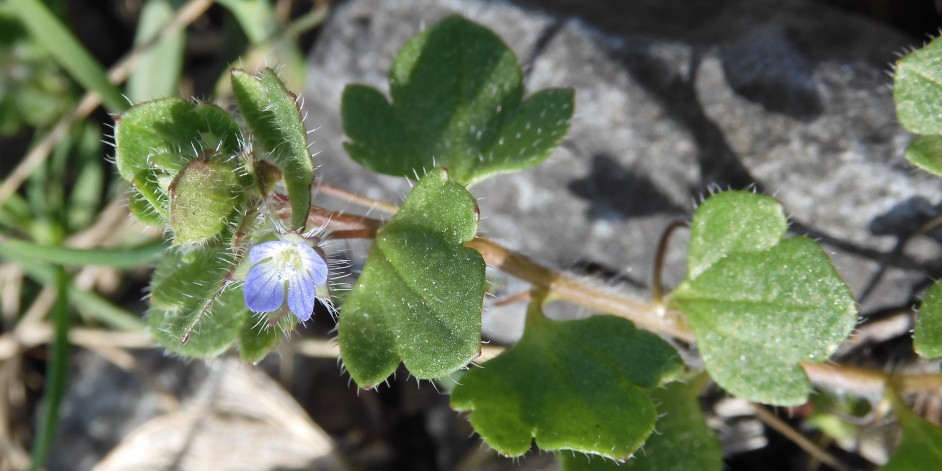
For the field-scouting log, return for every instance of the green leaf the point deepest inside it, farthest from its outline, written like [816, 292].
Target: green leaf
[917, 89]
[155, 140]
[195, 311]
[68, 51]
[259, 336]
[921, 447]
[925, 152]
[205, 330]
[420, 294]
[272, 113]
[733, 221]
[203, 198]
[456, 102]
[184, 278]
[158, 73]
[759, 310]
[143, 210]
[579, 385]
[682, 441]
[927, 338]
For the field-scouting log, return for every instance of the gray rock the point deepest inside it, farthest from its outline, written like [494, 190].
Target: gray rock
[673, 100]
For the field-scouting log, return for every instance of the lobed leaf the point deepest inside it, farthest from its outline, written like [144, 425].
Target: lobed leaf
[578, 385]
[758, 311]
[419, 296]
[927, 337]
[456, 102]
[272, 114]
[683, 439]
[733, 221]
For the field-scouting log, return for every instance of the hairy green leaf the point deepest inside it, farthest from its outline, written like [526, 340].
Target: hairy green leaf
[182, 275]
[456, 102]
[203, 330]
[927, 338]
[272, 114]
[195, 311]
[917, 89]
[683, 440]
[760, 310]
[155, 140]
[420, 294]
[578, 385]
[734, 221]
[203, 197]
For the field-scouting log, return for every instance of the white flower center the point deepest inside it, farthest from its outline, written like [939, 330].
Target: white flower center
[289, 261]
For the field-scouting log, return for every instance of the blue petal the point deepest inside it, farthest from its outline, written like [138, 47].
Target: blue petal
[267, 250]
[301, 296]
[314, 263]
[264, 291]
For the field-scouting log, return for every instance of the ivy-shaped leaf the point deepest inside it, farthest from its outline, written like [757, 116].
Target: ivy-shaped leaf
[927, 338]
[759, 309]
[578, 385]
[682, 441]
[272, 114]
[456, 102]
[419, 296]
[917, 89]
[921, 447]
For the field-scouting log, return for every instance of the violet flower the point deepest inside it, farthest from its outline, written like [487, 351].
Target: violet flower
[281, 266]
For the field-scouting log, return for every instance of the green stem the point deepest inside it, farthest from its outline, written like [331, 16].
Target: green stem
[57, 372]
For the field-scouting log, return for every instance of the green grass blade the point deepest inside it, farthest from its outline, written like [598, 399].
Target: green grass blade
[57, 373]
[158, 73]
[129, 257]
[68, 51]
[94, 305]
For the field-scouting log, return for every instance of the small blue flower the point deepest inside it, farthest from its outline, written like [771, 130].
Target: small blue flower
[280, 266]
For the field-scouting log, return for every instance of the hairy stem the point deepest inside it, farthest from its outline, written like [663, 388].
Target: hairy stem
[653, 316]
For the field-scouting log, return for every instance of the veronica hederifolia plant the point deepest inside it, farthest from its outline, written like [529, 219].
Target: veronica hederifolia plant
[235, 195]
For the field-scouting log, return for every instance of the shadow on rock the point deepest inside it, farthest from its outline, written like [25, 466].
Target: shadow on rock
[616, 193]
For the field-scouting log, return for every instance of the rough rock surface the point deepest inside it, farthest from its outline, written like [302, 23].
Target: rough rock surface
[165, 414]
[673, 100]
